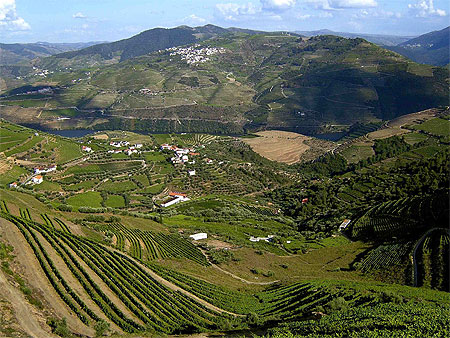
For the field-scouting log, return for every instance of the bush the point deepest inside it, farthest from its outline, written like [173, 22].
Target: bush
[59, 327]
[101, 327]
[65, 207]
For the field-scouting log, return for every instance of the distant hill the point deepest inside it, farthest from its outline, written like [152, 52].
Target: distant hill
[379, 39]
[148, 41]
[240, 81]
[143, 43]
[431, 48]
[12, 54]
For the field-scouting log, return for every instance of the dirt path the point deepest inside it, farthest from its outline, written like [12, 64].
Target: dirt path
[31, 271]
[242, 279]
[23, 310]
[235, 276]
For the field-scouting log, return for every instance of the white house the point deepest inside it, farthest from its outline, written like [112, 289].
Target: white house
[191, 172]
[269, 238]
[38, 179]
[40, 170]
[200, 235]
[184, 158]
[166, 146]
[138, 145]
[344, 224]
[175, 200]
[86, 148]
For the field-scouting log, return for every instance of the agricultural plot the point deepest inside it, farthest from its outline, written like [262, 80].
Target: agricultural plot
[356, 153]
[437, 126]
[147, 245]
[86, 199]
[279, 146]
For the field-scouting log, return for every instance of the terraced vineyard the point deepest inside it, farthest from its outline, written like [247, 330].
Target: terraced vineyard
[432, 259]
[147, 245]
[145, 299]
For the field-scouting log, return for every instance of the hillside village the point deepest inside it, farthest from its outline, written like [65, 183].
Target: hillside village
[195, 53]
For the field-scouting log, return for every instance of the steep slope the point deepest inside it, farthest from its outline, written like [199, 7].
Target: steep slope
[431, 48]
[146, 42]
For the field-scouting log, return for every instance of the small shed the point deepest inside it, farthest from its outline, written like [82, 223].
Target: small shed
[200, 235]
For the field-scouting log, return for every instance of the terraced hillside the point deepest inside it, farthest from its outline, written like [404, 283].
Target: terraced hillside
[235, 82]
[98, 284]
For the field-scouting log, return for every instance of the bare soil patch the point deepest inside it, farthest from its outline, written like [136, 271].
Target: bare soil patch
[101, 136]
[35, 277]
[281, 146]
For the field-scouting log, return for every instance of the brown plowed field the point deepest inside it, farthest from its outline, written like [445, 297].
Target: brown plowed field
[281, 146]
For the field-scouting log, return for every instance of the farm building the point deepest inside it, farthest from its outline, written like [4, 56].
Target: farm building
[198, 236]
[166, 146]
[13, 185]
[40, 170]
[176, 197]
[269, 238]
[86, 149]
[344, 224]
[38, 179]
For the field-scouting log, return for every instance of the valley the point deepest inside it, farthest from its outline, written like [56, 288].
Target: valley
[208, 181]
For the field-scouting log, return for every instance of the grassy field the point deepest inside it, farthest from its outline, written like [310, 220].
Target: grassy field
[115, 201]
[437, 126]
[12, 175]
[88, 199]
[118, 186]
[356, 153]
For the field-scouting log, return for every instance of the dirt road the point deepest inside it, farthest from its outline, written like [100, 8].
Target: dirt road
[23, 310]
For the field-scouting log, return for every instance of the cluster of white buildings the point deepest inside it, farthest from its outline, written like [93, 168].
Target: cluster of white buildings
[195, 53]
[131, 150]
[181, 154]
[119, 144]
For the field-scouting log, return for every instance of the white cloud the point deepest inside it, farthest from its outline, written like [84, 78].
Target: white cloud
[352, 3]
[9, 19]
[231, 11]
[277, 5]
[79, 15]
[425, 8]
[303, 16]
[341, 4]
[194, 20]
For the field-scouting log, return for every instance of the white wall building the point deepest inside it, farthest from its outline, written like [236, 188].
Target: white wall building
[200, 235]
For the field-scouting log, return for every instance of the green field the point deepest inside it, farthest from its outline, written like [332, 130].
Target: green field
[354, 154]
[87, 199]
[118, 186]
[437, 126]
[115, 201]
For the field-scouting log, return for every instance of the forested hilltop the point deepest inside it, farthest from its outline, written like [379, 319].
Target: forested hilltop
[122, 233]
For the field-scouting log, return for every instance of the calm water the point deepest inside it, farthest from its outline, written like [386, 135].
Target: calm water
[331, 136]
[65, 133]
[71, 133]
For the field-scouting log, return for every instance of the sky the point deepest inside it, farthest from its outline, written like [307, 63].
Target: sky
[110, 20]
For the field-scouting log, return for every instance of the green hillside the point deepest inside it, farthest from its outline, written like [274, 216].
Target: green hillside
[236, 82]
[94, 243]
